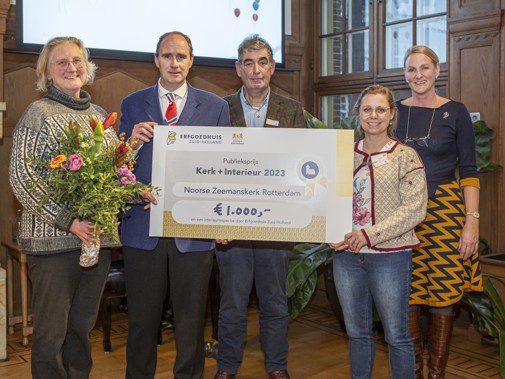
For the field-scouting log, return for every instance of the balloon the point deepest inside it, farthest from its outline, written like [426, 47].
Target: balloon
[256, 5]
[255, 17]
[237, 12]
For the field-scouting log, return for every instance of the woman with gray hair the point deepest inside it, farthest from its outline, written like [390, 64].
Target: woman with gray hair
[65, 296]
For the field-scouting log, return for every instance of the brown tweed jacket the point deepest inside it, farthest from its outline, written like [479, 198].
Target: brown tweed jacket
[288, 112]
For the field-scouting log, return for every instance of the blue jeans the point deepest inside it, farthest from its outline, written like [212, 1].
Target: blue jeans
[242, 264]
[384, 279]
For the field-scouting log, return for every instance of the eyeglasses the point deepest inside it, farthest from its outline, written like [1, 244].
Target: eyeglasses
[420, 141]
[380, 111]
[63, 64]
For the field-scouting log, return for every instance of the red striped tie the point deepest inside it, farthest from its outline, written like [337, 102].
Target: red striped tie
[171, 113]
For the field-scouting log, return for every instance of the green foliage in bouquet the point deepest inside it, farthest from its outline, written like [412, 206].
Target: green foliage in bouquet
[93, 179]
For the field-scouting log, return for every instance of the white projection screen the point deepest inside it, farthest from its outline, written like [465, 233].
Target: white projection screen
[129, 29]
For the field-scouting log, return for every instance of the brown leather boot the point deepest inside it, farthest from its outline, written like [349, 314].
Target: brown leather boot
[439, 341]
[417, 337]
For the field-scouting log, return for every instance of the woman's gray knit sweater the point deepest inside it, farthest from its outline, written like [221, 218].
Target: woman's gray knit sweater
[46, 230]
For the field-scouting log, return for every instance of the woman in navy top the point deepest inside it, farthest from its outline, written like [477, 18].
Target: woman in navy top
[446, 263]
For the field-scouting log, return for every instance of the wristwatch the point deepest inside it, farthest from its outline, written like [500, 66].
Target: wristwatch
[474, 214]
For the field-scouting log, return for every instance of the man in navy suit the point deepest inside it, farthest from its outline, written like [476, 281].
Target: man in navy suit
[151, 262]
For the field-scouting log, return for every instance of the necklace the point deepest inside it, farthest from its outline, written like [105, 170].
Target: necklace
[421, 141]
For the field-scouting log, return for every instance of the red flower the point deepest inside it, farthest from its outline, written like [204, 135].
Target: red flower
[124, 155]
[107, 123]
[93, 121]
[122, 148]
[109, 120]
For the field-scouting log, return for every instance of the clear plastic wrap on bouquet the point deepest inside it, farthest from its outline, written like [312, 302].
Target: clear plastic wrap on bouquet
[89, 253]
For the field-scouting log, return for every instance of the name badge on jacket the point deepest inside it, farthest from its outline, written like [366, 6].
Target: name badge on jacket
[380, 159]
[272, 122]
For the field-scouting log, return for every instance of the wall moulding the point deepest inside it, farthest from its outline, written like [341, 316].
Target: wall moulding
[476, 37]
[473, 22]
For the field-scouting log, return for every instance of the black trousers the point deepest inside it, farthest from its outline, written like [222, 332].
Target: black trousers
[147, 274]
[65, 302]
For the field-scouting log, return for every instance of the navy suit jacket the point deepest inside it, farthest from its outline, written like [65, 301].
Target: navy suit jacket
[201, 109]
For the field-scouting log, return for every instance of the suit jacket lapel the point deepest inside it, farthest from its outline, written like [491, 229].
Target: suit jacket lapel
[274, 109]
[236, 112]
[153, 109]
[191, 108]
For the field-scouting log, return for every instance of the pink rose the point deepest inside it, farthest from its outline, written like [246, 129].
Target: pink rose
[124, 180]
[74, 162]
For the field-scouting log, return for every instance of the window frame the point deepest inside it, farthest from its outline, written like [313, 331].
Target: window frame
[346, 84]
[344, 33]
[382, 71]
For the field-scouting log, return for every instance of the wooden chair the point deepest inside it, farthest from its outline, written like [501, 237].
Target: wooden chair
[114, 289]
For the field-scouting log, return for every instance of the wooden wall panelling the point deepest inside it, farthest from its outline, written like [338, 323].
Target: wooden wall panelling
[460, 9]
[476, 45]
[4, 11]
[298, 53]
[19, 88]
[220, 80]
[6, 203]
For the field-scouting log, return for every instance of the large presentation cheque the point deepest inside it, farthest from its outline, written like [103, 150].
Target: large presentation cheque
[252, 183]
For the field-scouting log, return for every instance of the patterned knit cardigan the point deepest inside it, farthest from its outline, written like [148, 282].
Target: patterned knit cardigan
[399, 197]
[46, 230]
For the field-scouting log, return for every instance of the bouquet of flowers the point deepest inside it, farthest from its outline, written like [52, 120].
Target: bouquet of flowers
[94, 180]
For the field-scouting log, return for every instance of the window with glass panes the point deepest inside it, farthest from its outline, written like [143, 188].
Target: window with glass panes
[345, 33]
[355, 33]
[414, 22]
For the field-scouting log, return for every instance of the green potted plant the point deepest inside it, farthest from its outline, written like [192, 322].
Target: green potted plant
[301, 280]
[488, 313]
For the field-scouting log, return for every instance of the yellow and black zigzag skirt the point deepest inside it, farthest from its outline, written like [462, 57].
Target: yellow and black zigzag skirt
[439, 277]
